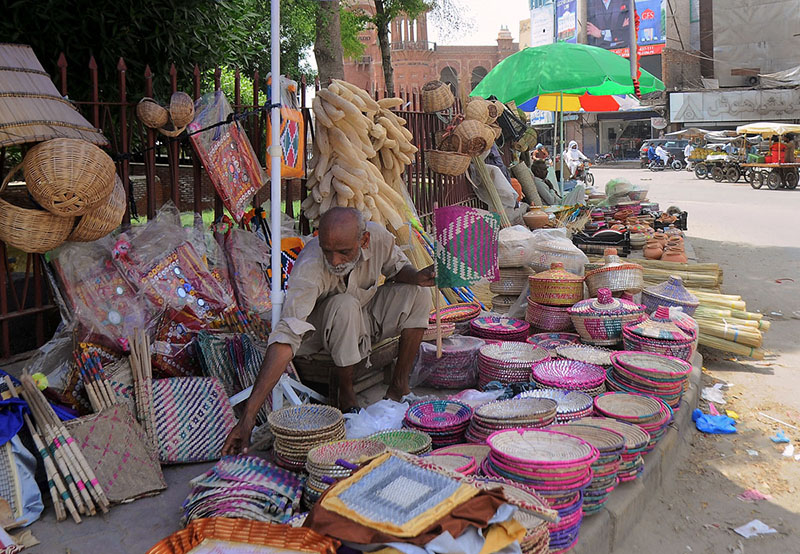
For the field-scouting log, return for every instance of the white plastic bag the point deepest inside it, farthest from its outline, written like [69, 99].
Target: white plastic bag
[384, 414]
[516, 246]
[553, 245]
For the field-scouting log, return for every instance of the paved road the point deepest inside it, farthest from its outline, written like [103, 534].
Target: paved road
[753, 234]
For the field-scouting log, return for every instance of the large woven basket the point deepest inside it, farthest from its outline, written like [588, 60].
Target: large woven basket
[556, 286]
[480, 110]
[151, 113]
[28, 228]
[473, 135]
[447, 163]
[436, 96]
[68, 177]
[103, 219]
[547, 318]
[181, 109]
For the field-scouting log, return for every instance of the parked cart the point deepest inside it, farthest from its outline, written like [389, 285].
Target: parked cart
[778, 168]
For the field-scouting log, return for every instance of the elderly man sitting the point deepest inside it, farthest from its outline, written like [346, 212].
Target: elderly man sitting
[334, 305]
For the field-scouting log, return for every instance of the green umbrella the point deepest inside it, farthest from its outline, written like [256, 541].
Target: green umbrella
[562, 67]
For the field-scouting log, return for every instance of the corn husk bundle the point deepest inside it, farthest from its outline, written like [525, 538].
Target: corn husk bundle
[361, 149]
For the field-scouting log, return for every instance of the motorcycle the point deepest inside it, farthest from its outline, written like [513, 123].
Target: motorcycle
[658, 164]
[582, 174]
[601, 159]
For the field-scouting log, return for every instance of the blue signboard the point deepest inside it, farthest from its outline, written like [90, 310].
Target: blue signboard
[567, 16]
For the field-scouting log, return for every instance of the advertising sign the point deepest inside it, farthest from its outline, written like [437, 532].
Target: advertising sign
[607, 25]
[541, 22]
[567, 16]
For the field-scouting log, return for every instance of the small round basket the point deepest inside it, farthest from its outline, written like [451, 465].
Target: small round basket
[474, 137]
[151, 113]
[181, 109]
[436, 97]
[480, 110]
[103, 219]
[28, 228]
[447, 163]
[68, 177]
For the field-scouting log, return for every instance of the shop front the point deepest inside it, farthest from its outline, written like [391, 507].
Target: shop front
[622, 134]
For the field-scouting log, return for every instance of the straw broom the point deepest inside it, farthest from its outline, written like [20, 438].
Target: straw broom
[58, 490]
[732, 347]
[143, 382]
[733, 333]
[488, 184]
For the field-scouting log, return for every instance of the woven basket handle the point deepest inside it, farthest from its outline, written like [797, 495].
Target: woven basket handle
[8, 177]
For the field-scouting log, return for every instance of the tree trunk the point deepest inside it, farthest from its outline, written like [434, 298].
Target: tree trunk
[382, 23]
[328, 42]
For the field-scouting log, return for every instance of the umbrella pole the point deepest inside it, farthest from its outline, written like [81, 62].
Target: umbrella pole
[561, 173]
[275, 162]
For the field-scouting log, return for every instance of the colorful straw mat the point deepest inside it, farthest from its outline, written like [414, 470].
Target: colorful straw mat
[405, 440]
[298, 429]
[571, 404]
[244, 487]
[458, 366]
[444, 420]
[456, 313]
[500, 328]
[569, 375]
[552, 341]
[585, 353]
[513, 413]
[218, 535]
[193, 416]
[115, 446]
[478, 452]
[460, 463]
[396, 496]
[508, 362]
[548, 318]
[336, 460]
[10, 487]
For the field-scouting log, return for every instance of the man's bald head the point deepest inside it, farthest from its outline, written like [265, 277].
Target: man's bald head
[342, 235]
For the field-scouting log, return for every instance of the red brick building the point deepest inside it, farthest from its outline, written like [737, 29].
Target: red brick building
[416, 60]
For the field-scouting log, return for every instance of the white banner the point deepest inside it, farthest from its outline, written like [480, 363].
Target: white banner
[733, 105]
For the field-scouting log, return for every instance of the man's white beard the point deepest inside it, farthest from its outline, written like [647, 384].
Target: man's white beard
[342, 269]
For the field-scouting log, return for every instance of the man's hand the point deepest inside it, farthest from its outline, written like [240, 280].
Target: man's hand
[238, 440]
[626, 22]
[592, 30]
[426, 277]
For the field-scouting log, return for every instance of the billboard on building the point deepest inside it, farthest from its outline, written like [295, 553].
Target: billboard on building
[567, 20]
[542, 31]
[607, 25]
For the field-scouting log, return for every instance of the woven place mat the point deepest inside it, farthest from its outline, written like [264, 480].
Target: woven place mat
[569, 374]
[405, 440]
[461, 463]
[584, 353]
[553, 341]
[456, 313]
[634, 408]
[305, 419]
[355, 451]
[516, 410]
[438, 414]
[567, 402]
[541, 447]
[635, 437]
[604, 440]
[478, 452]
[512, 354]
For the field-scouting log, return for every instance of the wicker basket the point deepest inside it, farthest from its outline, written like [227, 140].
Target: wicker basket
[478, 110]
[170, 130]
[556, 286]
[447, 163]
[29, 229]
[489, 135]
[68, 177]
[181, 109]
[103, 219]
[436, 96]
[151, 113]
[473, 137]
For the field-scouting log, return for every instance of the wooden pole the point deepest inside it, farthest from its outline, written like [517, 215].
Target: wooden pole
[436, 295]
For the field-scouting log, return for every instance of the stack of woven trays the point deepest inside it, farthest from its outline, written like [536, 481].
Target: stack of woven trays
[556, 465]
[570, 404]
[327, 463]
[649, 413]
[636, 440]
[457, 368]
[610, 446]
[298, 429]
[513, 280]
[551, 341]
[642, 372]
[570, 375]
[476, 451]
[551, 293]
[508, 362]
[500, 328]
[456, 313]
[444, 420]
[244, 487]
[599, 321]
[513, 413]
[659, 335]
[430, 334]
[453, 461]
[404, 440]
[585, 353]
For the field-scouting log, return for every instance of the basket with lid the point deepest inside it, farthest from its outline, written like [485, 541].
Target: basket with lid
[670, 293]
[615, 275]
[600, 321]
[659, 334]
[556, 286]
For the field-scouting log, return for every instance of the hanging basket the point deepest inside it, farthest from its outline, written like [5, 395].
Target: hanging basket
[181, 109]
[28, 228]
[68, 177]
[474, 137]
[103, 219]
[151, 113]
[447, 163]
[480, 110]
[436, 96]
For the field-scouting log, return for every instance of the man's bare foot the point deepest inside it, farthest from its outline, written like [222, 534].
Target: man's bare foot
[347, 402]
[395, 394]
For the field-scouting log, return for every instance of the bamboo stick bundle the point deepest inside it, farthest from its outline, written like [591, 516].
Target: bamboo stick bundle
[732, 347]
[142, 369]
[710, 268]
[62, 438]
[734, 333]
[58, 490]
[690, 280]
[497, 204]
[755, 316]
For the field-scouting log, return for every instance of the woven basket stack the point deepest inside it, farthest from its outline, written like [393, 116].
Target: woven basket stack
[298, 429]
[570, 375]
[513, 281]
[508, 362]
[444, 420]
[649, 413]
[636, 440]
[570, 404]
[552, 293]
[332, 461]
[75, 182]
[510, 414]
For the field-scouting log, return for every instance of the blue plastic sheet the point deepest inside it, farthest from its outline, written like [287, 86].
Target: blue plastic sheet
[713, 424]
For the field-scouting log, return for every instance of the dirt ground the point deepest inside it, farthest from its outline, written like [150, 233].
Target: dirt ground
[751, 234]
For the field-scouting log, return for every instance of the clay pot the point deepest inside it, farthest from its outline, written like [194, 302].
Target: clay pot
[673, 231]
[674, 254]
[666, 218]
[675, 241]
[536, 218]
[653, 250]
[661, 238]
